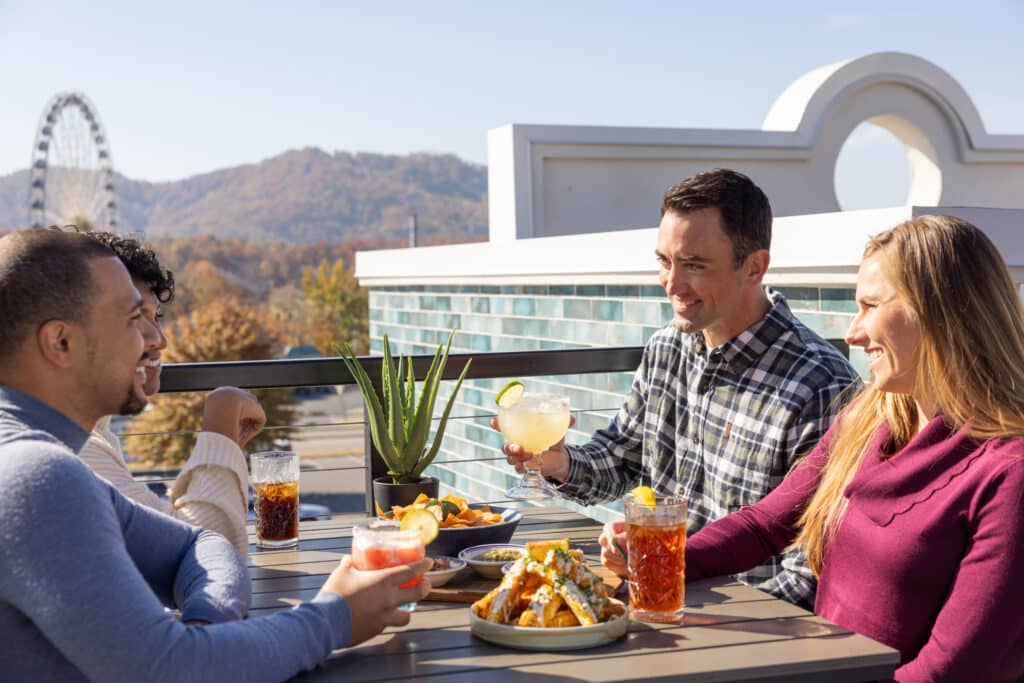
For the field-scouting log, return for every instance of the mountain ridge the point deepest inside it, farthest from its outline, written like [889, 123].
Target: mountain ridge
[299, 197]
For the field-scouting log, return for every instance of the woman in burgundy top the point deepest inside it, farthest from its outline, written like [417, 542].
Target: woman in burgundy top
[911, 508]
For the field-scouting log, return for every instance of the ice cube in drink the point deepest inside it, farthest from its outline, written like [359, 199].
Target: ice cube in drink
[277, 512]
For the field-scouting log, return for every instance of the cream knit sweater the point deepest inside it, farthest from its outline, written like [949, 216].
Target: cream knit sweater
[210, 491]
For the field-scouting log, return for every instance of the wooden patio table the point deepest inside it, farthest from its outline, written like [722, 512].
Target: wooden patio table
[731, 632]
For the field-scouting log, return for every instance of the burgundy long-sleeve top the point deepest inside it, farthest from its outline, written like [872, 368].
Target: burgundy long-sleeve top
[929, 558]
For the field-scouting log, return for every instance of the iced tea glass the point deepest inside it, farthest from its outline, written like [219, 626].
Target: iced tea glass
[379, 545]
[275, 491]
[656, 545]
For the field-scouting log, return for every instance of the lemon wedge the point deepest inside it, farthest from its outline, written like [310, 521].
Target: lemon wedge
[422, 521]
[644, 494]
[510, 394]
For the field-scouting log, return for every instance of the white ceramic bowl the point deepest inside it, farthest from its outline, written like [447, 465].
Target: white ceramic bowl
[439, 576]
[489, 569]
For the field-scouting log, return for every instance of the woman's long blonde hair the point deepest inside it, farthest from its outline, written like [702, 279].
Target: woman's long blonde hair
[952, 280]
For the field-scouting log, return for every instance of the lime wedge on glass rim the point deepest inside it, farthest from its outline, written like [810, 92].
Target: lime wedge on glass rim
[422, 521]
[644, 494]
[510, 394]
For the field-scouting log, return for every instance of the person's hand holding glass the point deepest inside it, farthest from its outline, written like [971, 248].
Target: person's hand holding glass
[534, 426]
[379, 545]
[376, 598]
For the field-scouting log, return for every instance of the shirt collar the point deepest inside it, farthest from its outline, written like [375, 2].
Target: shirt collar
[740, 352]
[38, 415]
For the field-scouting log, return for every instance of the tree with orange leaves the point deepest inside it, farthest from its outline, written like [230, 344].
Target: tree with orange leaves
[225, 330]
[337, 308]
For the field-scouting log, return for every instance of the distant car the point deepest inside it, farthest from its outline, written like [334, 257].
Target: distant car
[157, 481]
[311, 512]
[307, 351]
[308, 512]
[302, 351]
[157, 487]
[313, 392]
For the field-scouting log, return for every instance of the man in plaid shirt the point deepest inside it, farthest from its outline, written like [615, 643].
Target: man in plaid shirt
[728, 396]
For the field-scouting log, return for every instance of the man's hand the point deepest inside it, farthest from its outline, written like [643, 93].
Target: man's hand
[235, 413]
[373, 597]
[554, 462]
[611, 558]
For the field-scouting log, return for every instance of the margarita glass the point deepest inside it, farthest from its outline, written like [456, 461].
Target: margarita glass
[536, 422]
[379, 545]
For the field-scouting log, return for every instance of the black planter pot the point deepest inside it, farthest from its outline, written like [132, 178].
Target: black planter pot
[387, 494]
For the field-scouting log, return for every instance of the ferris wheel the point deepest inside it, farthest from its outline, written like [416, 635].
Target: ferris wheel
[72, 178]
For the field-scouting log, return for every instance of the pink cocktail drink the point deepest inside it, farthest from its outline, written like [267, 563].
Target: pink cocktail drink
[380, 545]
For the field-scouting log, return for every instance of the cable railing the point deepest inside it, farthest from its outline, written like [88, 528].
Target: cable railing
[467, 448]
[314, 372]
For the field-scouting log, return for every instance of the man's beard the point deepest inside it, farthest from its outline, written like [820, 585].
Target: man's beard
[134, 403]
[135, 400]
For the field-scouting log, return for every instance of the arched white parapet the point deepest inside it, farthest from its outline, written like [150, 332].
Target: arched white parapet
[560, 180]
[806, 103]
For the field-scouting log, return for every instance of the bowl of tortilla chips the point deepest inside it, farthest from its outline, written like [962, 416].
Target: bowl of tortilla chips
[461, 524]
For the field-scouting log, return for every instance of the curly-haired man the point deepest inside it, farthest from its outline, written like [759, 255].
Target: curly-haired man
[210, 491]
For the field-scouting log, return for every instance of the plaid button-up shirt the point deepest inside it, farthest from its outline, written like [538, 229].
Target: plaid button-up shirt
[720, 427]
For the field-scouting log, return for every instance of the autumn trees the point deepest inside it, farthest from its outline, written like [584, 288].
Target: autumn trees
[304, 294]
[217, 331]
[236, 300]
[338, 307]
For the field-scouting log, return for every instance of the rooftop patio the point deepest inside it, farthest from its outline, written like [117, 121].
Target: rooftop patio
[564, 296]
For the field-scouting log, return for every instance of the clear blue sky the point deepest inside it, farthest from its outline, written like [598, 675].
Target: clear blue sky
[188, 87]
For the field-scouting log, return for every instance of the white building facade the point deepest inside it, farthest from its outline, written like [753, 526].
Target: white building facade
[570, 262]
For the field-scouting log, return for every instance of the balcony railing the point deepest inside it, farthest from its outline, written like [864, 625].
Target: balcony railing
[486, 366]
[296, 373]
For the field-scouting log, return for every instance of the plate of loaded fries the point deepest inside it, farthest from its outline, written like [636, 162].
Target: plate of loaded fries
[549, 600]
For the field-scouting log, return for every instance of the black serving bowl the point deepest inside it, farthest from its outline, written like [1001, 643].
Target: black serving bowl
[451, 541]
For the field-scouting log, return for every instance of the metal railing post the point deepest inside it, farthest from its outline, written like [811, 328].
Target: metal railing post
[375, 465]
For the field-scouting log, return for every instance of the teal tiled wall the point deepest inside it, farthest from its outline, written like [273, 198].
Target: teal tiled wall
[534, 317]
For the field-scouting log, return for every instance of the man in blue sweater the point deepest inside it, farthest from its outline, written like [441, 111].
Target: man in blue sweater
[84, 572]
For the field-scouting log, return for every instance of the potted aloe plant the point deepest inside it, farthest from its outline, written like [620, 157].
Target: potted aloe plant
[400, 421]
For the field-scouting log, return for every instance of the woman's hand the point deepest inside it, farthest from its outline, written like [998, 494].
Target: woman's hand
[613, 542]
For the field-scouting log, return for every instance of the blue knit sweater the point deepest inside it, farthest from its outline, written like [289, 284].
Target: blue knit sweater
[85, 574]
